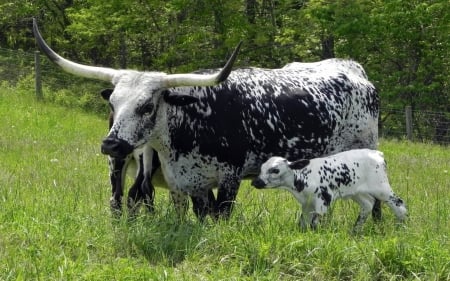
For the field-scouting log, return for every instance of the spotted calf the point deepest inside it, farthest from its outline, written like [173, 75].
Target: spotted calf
[358, 174]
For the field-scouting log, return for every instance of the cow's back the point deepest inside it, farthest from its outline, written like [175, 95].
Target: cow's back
[258, 113]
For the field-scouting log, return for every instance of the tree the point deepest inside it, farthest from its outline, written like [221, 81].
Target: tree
[410, 53]
[403, 45]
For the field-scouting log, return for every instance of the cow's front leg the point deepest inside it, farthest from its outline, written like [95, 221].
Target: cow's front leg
[143, 189]
[117, 178]
[180, 202]
[148, 193]
[150, 163]
[226, 196]
[135, 194]
[204, 204]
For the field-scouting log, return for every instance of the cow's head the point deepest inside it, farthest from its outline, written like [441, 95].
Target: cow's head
[278, 172]
[136, 96]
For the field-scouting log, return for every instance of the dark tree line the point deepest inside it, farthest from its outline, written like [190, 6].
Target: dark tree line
[404, 45]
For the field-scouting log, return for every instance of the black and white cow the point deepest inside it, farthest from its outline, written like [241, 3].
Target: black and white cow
[142, 190]
[358, 174]
[340, 64]
[212, 130]
[141, 165]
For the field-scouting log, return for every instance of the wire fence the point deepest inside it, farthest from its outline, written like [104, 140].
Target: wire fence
[415, 125]
[399, 123]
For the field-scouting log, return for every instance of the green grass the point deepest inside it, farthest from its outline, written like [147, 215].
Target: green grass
[55, 221]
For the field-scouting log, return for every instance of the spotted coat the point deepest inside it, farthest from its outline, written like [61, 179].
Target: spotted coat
[358, 174]
[141, 165]
[225, 132]
[214, 129]
[140, 169]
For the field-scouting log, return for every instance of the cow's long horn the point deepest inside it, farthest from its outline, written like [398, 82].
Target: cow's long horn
[180, 80]
[100, 73]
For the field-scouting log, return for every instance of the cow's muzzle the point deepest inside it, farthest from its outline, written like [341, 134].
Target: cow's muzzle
[116, 147]
[258, 183]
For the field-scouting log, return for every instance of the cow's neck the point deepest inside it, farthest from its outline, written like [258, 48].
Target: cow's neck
[159, 137]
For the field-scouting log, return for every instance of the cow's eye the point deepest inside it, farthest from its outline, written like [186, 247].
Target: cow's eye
[111, 106]
[274, 171]
[145, 108]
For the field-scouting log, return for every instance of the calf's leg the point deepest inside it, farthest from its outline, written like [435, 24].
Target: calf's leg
[309, 217]
[366, 203]
[302, 222]
[376, 210]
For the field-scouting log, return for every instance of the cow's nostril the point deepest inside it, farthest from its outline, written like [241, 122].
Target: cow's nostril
[116, 147]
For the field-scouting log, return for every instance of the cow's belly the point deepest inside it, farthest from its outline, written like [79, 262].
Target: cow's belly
[191, 174]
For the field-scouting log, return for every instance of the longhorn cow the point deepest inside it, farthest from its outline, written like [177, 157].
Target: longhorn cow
[215, 128]
[141, 165]
[142, 189]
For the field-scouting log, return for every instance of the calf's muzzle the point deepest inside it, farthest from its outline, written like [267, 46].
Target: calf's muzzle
[116, 147]
[258, 183]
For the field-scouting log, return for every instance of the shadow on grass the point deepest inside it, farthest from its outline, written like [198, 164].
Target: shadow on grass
[161, 239]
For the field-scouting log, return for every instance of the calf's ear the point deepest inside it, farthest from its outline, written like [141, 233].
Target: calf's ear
[106, 93]
[178, 99]
[299, 164]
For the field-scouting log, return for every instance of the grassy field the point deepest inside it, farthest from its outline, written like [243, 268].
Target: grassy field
[55, 222]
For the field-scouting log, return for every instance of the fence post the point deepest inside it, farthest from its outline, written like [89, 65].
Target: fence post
[409, 122]
[38, 82]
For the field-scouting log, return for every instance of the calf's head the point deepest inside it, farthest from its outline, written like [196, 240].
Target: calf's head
[278, 172]
[136, 96]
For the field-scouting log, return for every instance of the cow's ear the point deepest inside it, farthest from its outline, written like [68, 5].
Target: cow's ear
[106, 93]
[178, 99]
[299, 164]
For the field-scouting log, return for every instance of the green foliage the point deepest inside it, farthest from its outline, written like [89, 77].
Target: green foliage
[77, 93]
[402, 44]
[411, 45]
[55, 222]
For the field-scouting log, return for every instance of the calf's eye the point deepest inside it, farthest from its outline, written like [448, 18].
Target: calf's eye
[274, 171]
